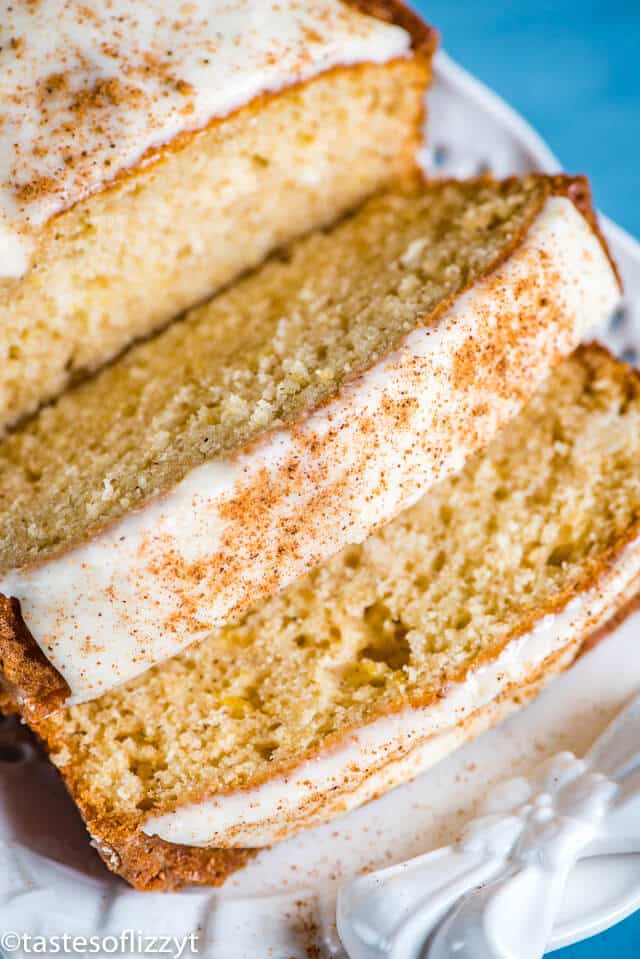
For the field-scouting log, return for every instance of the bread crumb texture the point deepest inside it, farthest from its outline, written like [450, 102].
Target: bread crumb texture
[383, 625]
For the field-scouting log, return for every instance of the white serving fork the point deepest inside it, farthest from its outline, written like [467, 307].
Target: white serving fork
[494, 893]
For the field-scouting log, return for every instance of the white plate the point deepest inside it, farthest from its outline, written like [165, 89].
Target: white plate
[281, 906]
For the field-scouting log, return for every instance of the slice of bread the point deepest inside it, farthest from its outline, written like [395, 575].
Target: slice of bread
[137, 187]
[374, 665]
[289, 417]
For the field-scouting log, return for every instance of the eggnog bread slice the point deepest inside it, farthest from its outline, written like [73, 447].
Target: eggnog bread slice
[289, 417]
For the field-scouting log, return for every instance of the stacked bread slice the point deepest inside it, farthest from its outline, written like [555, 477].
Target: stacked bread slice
[381, 661]
[347, 513]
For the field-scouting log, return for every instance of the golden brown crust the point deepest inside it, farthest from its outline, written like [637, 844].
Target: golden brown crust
[578, 189]
[156, 864]
[254, 501]
[424, 39]
[150, 864]
[118, 834]
[25, 672]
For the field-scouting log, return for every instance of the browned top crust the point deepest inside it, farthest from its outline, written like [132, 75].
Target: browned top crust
[151, 864]
[424, 39]
[25, 672]
[578, 189]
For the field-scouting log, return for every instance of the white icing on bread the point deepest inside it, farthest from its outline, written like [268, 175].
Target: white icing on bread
[90, 90]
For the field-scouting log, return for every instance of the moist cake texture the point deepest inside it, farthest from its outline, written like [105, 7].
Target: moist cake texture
[151, 152]
[290, 416]
[500, 552]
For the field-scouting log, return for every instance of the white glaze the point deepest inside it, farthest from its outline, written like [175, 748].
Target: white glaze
[109, 609]
[365, 764]
[176, 65]
[496, 892]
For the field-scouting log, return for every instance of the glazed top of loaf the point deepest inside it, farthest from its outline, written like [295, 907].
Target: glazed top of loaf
[90, 89]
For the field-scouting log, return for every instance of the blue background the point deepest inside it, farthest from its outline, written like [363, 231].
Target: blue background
[573, 70]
